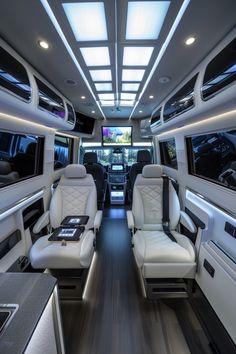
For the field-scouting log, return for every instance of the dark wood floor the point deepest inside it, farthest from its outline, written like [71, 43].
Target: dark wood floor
[114, 317]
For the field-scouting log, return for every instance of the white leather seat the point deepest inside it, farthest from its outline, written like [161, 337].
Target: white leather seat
[155, 253]
[75, 195]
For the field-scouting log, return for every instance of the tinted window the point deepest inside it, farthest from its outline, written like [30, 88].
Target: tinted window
[84, 124]
[49, 100]
[71, 114]
[181, 102]
[156, 119]
[220, 72]
[168, 153]
[213, 156]
[62, 151]
[21, 156]
[13, 76]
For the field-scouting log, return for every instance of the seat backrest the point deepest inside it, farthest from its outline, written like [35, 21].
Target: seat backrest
[6, 174]
[143, 159]
[208, 163]
[75, 195]
[25, 162]
[147, 200]
[96, 170]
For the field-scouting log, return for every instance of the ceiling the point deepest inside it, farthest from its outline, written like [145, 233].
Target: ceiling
[23, 23]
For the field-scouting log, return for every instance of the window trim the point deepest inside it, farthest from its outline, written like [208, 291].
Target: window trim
[162, 153]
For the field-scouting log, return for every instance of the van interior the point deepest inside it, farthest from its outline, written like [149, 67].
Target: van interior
[117, 177]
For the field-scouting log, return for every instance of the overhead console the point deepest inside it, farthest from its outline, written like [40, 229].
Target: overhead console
[210, 88]
[25, 94]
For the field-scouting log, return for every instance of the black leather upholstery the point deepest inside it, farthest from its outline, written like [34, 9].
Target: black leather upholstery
[208, 162]
[25, 162]
[143, 158]
[98, 172]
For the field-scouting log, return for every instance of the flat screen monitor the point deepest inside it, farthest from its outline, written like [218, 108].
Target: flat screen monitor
[116, 136]
[118, 167]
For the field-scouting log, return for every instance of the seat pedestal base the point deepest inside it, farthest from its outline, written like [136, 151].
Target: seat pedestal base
[71, 282]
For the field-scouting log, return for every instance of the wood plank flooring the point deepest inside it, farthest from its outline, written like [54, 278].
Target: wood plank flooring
[114, 317]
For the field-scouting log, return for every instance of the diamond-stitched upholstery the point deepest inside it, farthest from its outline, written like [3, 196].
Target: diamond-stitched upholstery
[74, 200]
[152, 204]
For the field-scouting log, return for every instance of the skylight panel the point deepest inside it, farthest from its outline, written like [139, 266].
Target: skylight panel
[100, 75]
[127, 96]
[106, 96]
[96, 56]
[104, 86]
[87, 20]
[145, 19]
[130, 87]
[132, 75]
[126, 103]
[107, 103]
[137, 56]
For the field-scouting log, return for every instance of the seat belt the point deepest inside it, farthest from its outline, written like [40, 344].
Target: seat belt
[165, 209]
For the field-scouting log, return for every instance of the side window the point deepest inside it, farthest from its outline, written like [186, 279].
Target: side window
[213, 157]
[168, 153]
[21, 157]
[62, 151]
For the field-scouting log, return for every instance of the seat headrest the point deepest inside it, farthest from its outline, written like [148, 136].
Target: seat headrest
[205, 148]
[144, 156]
[31, 148]
[152, 171]
[75, 171]
[5, 167]
[90, 157]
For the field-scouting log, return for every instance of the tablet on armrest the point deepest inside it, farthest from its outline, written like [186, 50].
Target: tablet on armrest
[66, 233]
[75, 220]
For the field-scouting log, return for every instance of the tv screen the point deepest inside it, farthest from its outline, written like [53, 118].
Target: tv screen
[116, 136]
[83, 124]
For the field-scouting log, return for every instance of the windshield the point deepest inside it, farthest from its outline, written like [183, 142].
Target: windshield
[109, 156]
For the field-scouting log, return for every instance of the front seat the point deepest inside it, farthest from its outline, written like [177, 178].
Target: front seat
[143, 159]
[6, 173]
[75, 195]
[98, 172]
[156, 255]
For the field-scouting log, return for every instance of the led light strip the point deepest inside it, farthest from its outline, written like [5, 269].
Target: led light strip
[163, 49]
[52, 17]
[21, 203]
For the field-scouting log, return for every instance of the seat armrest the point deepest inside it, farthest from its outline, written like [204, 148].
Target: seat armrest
[187, 222]
[97, 220]
[130, 220]
[43, 221]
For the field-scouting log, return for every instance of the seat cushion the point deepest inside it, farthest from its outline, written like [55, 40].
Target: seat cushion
[52, 255]
[158, 256]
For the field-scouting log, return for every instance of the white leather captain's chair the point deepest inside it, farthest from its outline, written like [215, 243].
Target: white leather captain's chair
[155, 253]
[75, 195]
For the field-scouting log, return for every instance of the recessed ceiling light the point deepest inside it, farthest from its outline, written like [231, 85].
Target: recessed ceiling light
[96, 56]
[100, 75]
[93, 112]
[132, 74]
[104, 86]
[107, 103]
[127, 96]
[140, 111]
[83, 97]
[145, 19]
[190, 40]
[151, 97]
[130, 87]
[106, 96]
[137, 56]
[87, 20]
[126, 103]
[43, 44]
[164, 79]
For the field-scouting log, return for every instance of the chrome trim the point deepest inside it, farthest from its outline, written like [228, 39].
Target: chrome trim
[230, 213]
[21, 203]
